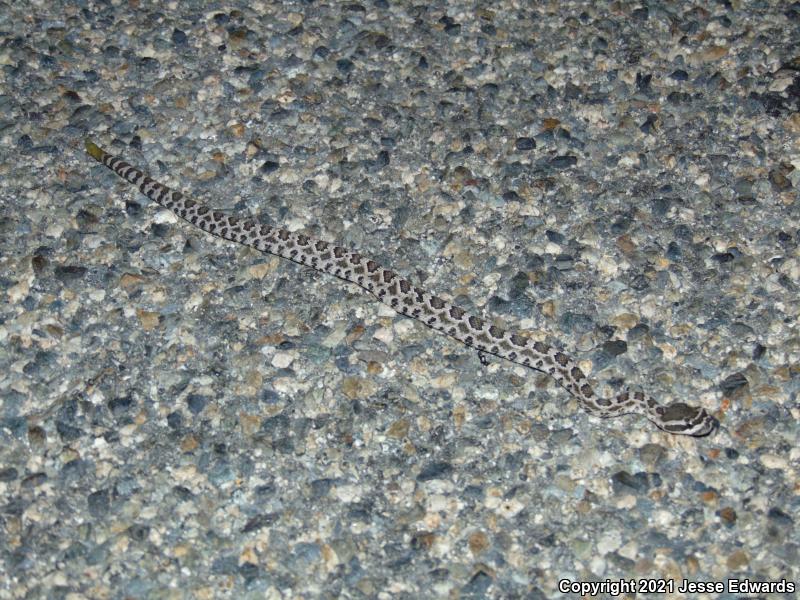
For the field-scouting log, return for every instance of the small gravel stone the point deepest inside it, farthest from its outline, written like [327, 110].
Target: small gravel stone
[525, 143]
[435, 470]
[563, 162]
[733, 382]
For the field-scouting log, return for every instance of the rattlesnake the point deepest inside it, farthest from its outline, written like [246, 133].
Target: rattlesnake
[409, 300]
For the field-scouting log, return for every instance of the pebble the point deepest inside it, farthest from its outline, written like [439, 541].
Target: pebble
[281, 360]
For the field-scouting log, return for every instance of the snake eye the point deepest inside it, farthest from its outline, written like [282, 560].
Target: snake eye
[706, 424]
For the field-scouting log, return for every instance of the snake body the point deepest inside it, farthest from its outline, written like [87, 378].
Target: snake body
[409, 300]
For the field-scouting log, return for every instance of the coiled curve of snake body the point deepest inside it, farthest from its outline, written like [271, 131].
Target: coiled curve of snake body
[409, 300]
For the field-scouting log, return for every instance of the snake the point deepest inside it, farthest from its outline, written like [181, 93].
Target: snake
[411, 301]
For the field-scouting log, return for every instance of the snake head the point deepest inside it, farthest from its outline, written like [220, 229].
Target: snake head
[685, 419]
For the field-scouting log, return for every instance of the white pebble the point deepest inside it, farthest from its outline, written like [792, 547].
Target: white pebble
[384, 334]
[281, 360]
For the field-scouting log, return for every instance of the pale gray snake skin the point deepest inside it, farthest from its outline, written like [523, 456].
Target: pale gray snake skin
[409, 300]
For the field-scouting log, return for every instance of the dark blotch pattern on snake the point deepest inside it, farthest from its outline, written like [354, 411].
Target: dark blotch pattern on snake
[407, 299]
